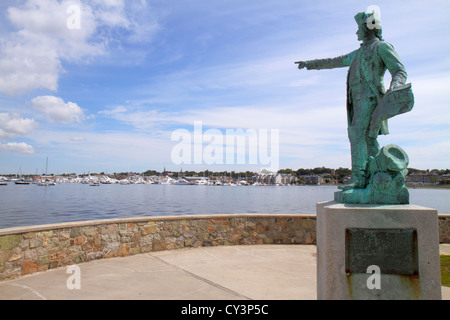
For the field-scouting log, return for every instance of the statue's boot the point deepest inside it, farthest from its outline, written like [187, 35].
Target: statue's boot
[358, 181]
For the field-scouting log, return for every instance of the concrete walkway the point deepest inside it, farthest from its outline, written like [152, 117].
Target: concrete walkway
[265, 272]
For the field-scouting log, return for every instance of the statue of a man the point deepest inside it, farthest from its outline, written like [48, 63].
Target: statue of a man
[365, 89]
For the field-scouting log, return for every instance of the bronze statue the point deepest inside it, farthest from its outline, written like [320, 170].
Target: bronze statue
[368, 108]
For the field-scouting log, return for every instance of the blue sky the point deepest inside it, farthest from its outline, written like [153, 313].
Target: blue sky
[108, 96]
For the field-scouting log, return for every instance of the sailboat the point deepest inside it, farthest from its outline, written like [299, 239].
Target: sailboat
[46, 182]
[21, 180]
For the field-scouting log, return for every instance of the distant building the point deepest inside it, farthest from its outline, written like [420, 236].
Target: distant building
[273, 178]
[196, 179]
[264, 178]
[423, 178]
[313, 180]
[445, 179]
[284, 178]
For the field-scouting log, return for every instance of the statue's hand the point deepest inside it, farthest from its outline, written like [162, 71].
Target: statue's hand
[301, 64]
[394, 84]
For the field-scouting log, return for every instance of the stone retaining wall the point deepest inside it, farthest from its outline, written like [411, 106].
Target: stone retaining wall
[444, 228]
[39, 248]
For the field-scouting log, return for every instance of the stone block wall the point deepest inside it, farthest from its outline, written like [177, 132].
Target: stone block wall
[39, 248]
[444, 228]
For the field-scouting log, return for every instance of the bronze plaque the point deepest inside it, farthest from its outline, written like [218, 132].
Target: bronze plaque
[394, 251]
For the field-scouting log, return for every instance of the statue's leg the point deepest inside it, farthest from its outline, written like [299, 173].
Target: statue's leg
[359, 154]
[373, 147]
[362, 146]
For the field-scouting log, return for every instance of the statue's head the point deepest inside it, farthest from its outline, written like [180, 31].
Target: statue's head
[368, 25]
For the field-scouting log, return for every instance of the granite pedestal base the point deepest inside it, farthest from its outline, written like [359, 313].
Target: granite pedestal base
[377, 252]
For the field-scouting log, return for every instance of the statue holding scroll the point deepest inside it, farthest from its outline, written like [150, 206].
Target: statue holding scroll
[378, 174]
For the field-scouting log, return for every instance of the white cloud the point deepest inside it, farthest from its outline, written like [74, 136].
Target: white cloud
[57, 111]
[78, 139]
[16, 147]
[12, 126]
[232, 67]
[115, 110]
[112, 13]
[110, 151]
[31, 58]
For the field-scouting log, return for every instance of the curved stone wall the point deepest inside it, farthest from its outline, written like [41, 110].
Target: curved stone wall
[444, 228]
[27, 250]
[39, 248]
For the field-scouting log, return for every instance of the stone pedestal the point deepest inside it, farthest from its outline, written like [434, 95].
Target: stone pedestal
[377, 252]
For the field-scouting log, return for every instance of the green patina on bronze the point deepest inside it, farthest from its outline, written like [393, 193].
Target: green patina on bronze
[378, 174]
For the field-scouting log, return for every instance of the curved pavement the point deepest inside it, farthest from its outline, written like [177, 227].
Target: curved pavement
[262, 272]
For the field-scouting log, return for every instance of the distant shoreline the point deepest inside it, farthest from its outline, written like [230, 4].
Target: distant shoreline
[440, 186]
[443, 186]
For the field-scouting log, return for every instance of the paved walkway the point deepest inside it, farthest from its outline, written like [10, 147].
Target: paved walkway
[286, 272]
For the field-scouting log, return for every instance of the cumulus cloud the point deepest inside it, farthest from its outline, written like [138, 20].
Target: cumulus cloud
[31, 57]
[12, 126]
[58, 111]
[16, 147]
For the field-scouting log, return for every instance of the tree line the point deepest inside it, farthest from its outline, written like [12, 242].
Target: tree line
[328, 173]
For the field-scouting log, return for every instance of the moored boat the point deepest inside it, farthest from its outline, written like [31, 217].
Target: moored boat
[21, 181]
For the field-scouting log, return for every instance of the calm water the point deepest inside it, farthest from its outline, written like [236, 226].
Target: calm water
[23, 205]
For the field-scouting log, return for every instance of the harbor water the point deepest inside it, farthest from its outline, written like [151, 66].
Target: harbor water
[25, 205]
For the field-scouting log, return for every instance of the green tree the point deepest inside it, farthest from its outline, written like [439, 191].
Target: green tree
[341, 173]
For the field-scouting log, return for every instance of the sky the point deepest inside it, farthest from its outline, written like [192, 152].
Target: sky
[106, 85]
